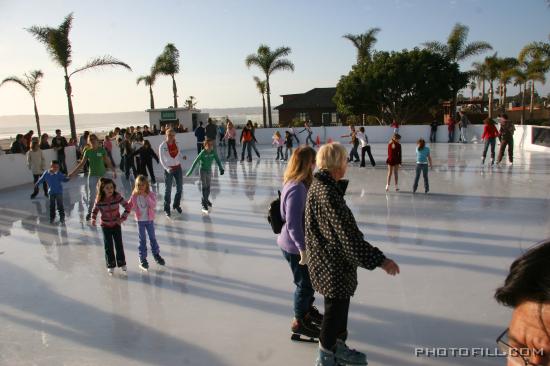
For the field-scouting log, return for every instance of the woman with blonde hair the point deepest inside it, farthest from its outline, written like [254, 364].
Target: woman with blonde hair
[37, 164]
[230, 133]
[297, 179]
[335, 248]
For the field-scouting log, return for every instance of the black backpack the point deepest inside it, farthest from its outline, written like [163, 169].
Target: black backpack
[274, 215]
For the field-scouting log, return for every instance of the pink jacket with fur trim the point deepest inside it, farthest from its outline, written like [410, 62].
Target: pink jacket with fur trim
[151, 204]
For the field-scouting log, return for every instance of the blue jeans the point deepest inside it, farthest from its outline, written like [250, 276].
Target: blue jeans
[452, 135]
[56, 199]
[303, 295]
[424, 169]
[206, 177]
[168, 176]
[148, 226]
[92, 190]
[246, 146]
[491, 142]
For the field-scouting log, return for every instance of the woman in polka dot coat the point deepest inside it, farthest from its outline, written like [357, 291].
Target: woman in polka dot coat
[335, 248]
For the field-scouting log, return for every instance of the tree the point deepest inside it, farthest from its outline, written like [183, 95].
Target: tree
[492, 67]
[59, 47]
[536, 55]
[30, 84]
[261, 86]
[191, 103]
[520, 79]
[398, 85]
[506, 67]
[456, 49]
[363, 43]
[270, 61]
[480, 74]
[168, 63]
[149, 80]
[472, 86]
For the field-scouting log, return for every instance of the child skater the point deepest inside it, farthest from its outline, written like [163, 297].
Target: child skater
[144, 200]
[288, 144]
[490, 134]
[278, 140]
[353, 155]
[394, 160]
[205, 158]
[53, 177]
[107, 202]
[423, 157]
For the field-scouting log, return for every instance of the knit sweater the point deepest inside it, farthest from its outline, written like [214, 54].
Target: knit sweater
[205, 159]
[110, 211]
[293, 204]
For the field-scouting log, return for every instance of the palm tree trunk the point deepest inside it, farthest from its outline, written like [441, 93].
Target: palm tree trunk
[69, 90]
[36, 117]
[491, 99]
[532, 102]
[523, 103]
[175, 90]
[152, 99]
[268, 92]
[482, 94]
[504, 98]
[264, 111]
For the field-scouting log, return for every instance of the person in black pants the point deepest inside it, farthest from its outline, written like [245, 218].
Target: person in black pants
[146, 155]
[59, 143]
[200, 134]
[128, 153]
[365, 147]
[433, 130]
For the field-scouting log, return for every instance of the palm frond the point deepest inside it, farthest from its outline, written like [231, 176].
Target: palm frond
[146, 80]
[282, 64]
[16, 80]
[456, 40]
[474, 48]
[534, 50]
[436, 47]
[40, 33]
[101, 62]
[354, 39]
[167, 63]
[281, 52]
[56, 40]
[260, 84]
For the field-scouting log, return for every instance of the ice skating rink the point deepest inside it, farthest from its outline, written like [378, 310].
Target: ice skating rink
[225, 296]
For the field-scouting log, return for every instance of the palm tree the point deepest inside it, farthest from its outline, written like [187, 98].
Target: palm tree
[536, 55]
[364, 43]
[472, 87]
[457, 50]
[520, 79]
[507, 66]
[191, 103]
[59, 46]
[480, 74]
[168, 63]
[148, 80]
[261, 85]
[30, 83]
[492, 67]
[270, 61]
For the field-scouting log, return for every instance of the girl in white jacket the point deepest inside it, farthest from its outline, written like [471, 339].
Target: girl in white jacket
[37, 164]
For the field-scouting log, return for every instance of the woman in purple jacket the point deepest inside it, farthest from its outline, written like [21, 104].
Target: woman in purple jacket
[297, 178]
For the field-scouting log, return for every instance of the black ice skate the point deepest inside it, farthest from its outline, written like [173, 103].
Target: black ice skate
[314, 316]
[304, 330]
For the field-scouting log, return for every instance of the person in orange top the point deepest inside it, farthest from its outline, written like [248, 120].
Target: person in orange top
[451, 128]
[246, 140]
[394, 160]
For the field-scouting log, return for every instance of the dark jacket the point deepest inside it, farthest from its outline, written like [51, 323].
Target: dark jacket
[200, 133]
[59, 142]
[211, 131]
[18, 148]
[334, 243]
[146, 155]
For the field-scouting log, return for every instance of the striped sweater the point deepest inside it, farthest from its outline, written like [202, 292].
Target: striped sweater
[110, 212]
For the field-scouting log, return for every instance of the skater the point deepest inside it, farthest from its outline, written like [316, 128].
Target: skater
[279, 142]
[108, 145]
[146, 155]
[128, 156]
[433, 130]
[54, 178]
[451, 128]
[365, 147]
[37, 164]
[288, 145]
[221, 134]
[144, 200]
[253, 141]
[211, 132]
[336, 247]
[463, 123]
[293, 135]
[395, 126]
[246, 138]
[107, 202]
[309, 133]
[297, 179]
[204, 159]
[353, 154]
[44, 144]
[490, 134]
[507, 129]
[393, 161]
[230, 133]
[97, 158]
[200, 134]
[423, 158]
[59, 143]
[170, 158]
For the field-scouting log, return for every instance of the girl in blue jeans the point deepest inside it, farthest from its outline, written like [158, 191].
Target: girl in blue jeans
[144, 201]
[423, 157]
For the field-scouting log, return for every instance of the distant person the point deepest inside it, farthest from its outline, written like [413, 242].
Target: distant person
[28, 139]
[246, 138]
[288, 144]
[127, 155]
[18, 146]
[423, 160]
[365, 147]
[293, 134]
[171, 157]
[395, 126]
[211, 132]
[278, 142]
[354, 144]
[146, 131]
[82, 142]
[463, 123]
[54, 178]
[526, 289]
[507, 130]
[200, 134]
[37, 164]
[451, 128]
[221, 134]
[490, 134]
[393, 161]
[309, 130]
[146, 155]
[108, 145]
[155, 130]
[230, 136]
[253, 141]
[44, 144]
[433, 130]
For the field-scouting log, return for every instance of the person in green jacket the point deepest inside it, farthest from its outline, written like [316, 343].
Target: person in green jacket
[205, 158]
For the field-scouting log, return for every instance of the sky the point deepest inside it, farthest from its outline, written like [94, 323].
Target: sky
[214, 37]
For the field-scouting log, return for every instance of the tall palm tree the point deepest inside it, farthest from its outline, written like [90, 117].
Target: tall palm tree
[149, 80]
[492, 67]
[261, 86]
[472, 87]
[270, 61]
[363, 43]
[507, 65]
[30, 83]
[480, 74]
[168, 63]
[59, 46]
[520, 79]
[456, 49]
[536, 55]
[536, 70]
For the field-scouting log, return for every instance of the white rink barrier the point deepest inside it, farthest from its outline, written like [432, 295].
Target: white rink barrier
[15, 172]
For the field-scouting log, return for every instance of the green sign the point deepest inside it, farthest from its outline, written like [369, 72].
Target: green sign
[168, 115]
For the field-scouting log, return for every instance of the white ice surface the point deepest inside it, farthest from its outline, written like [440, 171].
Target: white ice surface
[225, 296]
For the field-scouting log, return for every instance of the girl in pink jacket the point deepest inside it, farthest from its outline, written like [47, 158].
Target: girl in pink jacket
[144, 201]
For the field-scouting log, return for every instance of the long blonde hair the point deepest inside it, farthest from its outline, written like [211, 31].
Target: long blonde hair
[299, 166]
[141, 179]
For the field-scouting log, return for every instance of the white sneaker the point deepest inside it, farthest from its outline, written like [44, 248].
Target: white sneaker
[110, 271]
[387, 187]
[124, 269]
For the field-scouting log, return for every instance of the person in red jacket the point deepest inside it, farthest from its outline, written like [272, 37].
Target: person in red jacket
[394, 160]
[490, 134]
[451, 128]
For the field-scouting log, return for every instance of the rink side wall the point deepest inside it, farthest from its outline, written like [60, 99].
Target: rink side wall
[14, 171]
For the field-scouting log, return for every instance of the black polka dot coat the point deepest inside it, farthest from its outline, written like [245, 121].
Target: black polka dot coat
[334, 243]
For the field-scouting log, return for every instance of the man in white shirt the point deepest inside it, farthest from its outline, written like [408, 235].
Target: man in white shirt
[170, 156]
